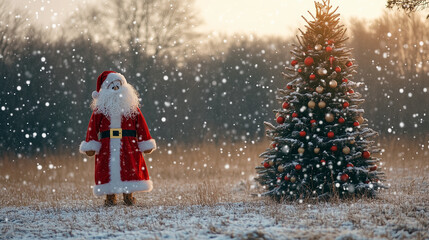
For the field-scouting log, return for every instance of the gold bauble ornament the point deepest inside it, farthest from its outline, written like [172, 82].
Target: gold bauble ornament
[316, 150]
[319, 89]
[352, 141]
[271, 163]
[329, 117]
[301, 150]
[360, 119]
[318, 47]
[280, 168]
[322, 71]
[293, 179]
[322, 104]
[311, 104]
[346, 150]
[333, 84]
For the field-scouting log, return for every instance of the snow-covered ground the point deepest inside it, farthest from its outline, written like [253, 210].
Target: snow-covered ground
[247, 220]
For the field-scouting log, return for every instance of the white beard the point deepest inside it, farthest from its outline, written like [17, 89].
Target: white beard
[124, 102]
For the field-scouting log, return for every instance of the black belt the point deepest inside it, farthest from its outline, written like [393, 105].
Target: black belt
[118, 133]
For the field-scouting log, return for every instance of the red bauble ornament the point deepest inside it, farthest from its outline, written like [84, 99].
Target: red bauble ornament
[294, 115]
[341, 120]
[274, 145]
[302, 134]
[323, 162]
[346, 104]
[266, 165]
[312, 76]
[329, 49]
[334, 148]
[300, 70]
[280, 120]
[350, 165]
[344, 177]
[331, 134]
[289, 86]
[286, 178]
[308, 61]
[338, 69]
[355, 124]
[350, 91]
[298, 167]
[285, 105]
[312, 122]
[294, 62]
[366, 154]
[349, 64]
[373, 168]
[309, 47]
[330, 42]
[367, 181]
[345, 80]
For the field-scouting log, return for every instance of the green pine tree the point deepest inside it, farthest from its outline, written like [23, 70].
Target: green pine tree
[321, 145]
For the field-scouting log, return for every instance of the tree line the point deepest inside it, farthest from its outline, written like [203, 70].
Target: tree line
[193, 89]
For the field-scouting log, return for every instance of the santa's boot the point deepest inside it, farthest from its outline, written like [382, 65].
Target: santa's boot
[110, 200]
[129, 199]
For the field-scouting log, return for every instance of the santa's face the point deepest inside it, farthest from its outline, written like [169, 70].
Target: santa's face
[115, 85]
[117, 98]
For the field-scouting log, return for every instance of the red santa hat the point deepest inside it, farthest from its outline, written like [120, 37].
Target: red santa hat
[105, 79]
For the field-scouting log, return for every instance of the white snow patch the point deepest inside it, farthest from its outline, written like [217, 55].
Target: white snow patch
[246, 220]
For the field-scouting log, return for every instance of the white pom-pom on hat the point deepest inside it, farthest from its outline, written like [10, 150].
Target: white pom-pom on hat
[95, 94]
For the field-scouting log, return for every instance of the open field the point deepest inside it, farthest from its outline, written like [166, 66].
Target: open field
[206, 193]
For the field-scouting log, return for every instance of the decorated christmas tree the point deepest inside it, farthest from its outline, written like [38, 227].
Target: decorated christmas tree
[321, 145]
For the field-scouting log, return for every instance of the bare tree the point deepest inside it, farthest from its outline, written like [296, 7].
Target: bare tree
[408, 5]
[140, 30]
[392, 56]
[405, 39]
[12, 27]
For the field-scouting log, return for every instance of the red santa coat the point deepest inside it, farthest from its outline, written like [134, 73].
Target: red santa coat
[119, 163]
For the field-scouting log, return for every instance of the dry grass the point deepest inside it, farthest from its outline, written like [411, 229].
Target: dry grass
[200, 175]
[222, 177]
[206, 175]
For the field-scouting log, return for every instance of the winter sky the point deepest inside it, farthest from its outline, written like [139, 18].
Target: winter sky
[263, 17]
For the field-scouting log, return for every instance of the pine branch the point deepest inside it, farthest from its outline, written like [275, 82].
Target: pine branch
[311, 15]
[269, 125]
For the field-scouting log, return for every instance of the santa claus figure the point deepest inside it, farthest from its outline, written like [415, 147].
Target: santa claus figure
[118, 135]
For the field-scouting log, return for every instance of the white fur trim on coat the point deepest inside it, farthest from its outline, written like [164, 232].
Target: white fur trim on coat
[147, 145]
[90, 146]
[123, 187]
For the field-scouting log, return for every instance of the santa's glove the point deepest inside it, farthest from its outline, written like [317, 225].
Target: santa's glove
[90, 153]
[149, 151]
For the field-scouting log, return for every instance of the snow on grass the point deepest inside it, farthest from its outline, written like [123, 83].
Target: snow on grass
[246, 220]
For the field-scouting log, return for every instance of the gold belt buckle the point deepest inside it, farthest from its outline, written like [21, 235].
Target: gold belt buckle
[116, 133]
